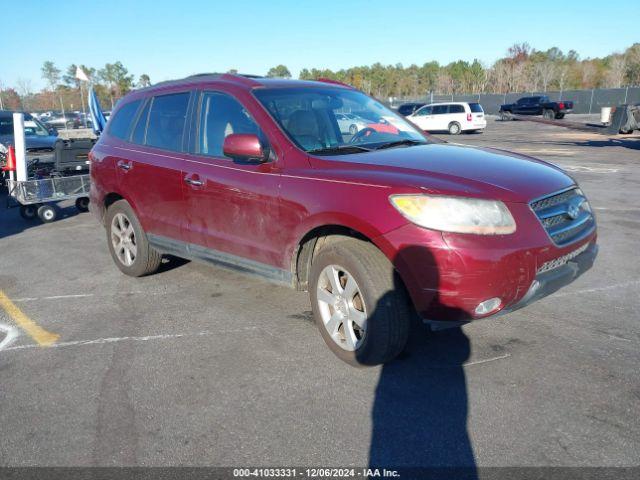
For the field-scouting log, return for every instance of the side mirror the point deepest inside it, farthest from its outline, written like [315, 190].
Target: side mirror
[244, 146]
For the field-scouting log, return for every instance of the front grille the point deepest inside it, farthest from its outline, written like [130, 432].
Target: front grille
[566, 216]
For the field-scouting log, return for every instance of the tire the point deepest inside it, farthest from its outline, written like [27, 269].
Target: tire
[454, 128]
[559, 116]
[504, 115]
[353, 129]
[29, 212]
[47, 213]
[82, 204]
[129, 247]
[549, 114]
[380, 302]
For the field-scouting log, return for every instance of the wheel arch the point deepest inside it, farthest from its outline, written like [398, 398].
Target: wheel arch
[318, 236]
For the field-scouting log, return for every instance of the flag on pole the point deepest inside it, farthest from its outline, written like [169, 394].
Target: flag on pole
[97, 117]
[81, 75]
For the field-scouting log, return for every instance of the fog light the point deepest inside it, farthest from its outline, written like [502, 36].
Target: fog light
[488, 306]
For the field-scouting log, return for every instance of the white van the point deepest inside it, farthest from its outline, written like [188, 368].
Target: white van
[454, 117]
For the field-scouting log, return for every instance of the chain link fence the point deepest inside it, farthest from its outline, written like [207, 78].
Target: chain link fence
[584, 101]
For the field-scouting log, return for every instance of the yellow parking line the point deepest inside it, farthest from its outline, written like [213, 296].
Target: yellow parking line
[35, 331]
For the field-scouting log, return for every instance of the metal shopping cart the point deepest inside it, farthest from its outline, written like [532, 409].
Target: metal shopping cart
[35, 196]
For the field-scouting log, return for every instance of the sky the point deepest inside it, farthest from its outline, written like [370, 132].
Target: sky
[169, 39]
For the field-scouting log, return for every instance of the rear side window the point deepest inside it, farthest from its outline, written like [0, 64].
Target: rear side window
[167, 120]
[440, 109]
[121, 122]
[456, 109]
[476, 108]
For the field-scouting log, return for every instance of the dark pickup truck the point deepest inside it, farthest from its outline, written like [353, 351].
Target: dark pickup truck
[539, 105]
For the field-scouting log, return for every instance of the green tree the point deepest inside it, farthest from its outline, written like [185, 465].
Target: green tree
[51, 74]
[144, 81]
[117, 80]
[279, 71]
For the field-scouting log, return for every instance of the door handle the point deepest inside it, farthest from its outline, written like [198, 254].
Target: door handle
[124, 165]
[193, 181]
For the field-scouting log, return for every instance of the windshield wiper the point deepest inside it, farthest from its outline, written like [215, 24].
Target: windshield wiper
[344, 149]
[400, 143]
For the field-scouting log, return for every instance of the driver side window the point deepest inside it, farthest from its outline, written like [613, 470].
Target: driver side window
[424, 111]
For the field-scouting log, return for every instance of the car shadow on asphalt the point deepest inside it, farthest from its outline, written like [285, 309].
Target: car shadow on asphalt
[419, 414]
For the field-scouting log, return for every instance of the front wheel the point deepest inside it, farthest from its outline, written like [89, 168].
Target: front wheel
[128, 243]
[454, 128]
[359, 306]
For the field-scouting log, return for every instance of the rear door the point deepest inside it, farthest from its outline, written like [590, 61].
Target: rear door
[439, 119]
[150, 168]
[231, 207]
[457, 114]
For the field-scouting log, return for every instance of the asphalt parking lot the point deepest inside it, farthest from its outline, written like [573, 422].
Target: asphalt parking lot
[201, 366]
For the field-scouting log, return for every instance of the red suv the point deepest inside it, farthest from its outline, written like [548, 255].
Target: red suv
[255, 174]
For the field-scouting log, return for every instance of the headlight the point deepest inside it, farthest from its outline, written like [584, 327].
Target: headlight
[456, 214]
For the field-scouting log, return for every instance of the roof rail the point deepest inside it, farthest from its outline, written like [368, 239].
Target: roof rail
[334, 82]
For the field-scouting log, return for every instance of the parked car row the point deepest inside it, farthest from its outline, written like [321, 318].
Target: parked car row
[457, 117]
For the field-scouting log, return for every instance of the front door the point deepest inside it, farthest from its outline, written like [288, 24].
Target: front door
[231, 207]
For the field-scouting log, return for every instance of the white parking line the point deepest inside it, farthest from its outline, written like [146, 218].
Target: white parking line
[108, 340]
[11, 333]
[598, 289]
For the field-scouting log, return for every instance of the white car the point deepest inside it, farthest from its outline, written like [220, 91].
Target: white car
[454, 117]
[350, 123]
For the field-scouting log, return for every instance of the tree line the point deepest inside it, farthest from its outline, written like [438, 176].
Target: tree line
[66, 92]
[521, 69]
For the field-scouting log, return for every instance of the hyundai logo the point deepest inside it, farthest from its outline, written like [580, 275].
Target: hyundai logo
[573, 210]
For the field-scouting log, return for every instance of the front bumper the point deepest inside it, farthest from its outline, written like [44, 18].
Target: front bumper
[551, 281]
[449, 275]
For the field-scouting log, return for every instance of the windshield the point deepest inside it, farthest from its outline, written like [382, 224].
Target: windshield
[33, 128]
[334, 121]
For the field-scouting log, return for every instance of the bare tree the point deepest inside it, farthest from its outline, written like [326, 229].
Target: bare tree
[545, 71]
[617, 69]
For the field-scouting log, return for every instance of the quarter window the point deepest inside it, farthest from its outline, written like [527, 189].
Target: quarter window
[220, 116]
[167, 120]
[121, 122]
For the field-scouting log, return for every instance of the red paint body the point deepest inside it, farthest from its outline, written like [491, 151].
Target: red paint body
[261, 211]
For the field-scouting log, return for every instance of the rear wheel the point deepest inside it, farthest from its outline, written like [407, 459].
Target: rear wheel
[549, 114]
[82, 204]
[28, 212]
[47, 213]
[128, 243]
[504, 115]
[360, 309]
[454, 128]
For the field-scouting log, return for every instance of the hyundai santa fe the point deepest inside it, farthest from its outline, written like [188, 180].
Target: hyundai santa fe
[256, 175]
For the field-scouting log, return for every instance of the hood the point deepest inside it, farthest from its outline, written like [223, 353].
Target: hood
[459, 170]
[32, 141]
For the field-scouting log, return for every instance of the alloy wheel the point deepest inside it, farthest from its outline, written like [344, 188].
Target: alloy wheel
[123, 239]
[341, 307]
